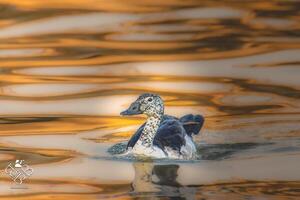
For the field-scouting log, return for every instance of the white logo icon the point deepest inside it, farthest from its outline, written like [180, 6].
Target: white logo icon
[18, 171]
[18, 163]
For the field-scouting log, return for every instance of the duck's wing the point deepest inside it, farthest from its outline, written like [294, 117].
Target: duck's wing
[135, 137]
[192, 123]
[170, 134]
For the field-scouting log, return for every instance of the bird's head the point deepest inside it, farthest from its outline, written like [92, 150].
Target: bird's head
[148, 104]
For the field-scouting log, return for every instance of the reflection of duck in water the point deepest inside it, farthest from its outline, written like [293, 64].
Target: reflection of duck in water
[149, 176]
[162, 135]
[161, 180]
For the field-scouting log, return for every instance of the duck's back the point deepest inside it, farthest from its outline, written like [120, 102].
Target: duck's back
[173, 133]
[192, 123]
[170, 135]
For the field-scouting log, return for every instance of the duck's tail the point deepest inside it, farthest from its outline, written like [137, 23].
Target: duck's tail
[192, 123]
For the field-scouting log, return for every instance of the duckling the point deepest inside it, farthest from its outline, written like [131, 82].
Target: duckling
[162, 136]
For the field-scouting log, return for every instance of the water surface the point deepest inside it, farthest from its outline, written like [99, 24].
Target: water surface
[69, 67]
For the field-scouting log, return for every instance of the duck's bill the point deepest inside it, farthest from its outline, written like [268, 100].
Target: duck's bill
[134, 109]
[130, 112]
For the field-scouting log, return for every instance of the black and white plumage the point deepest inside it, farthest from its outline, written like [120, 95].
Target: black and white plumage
[162, 135]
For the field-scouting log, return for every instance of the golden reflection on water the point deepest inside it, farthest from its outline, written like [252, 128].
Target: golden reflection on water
[69, 67]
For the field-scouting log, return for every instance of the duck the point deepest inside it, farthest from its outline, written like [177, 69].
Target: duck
[162, 136]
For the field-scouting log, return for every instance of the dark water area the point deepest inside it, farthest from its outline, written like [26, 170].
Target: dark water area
[67, 69]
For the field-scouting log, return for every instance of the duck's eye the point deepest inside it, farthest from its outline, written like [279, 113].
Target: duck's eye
[149, 99]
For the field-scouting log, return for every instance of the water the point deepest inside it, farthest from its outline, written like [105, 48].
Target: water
[69, 67]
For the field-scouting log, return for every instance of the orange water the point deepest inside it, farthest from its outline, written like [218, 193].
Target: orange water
[69, 67]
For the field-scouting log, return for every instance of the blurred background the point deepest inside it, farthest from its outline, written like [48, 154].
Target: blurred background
[67, 69]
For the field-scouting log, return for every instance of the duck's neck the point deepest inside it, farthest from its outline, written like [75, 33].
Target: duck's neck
[149, 131]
